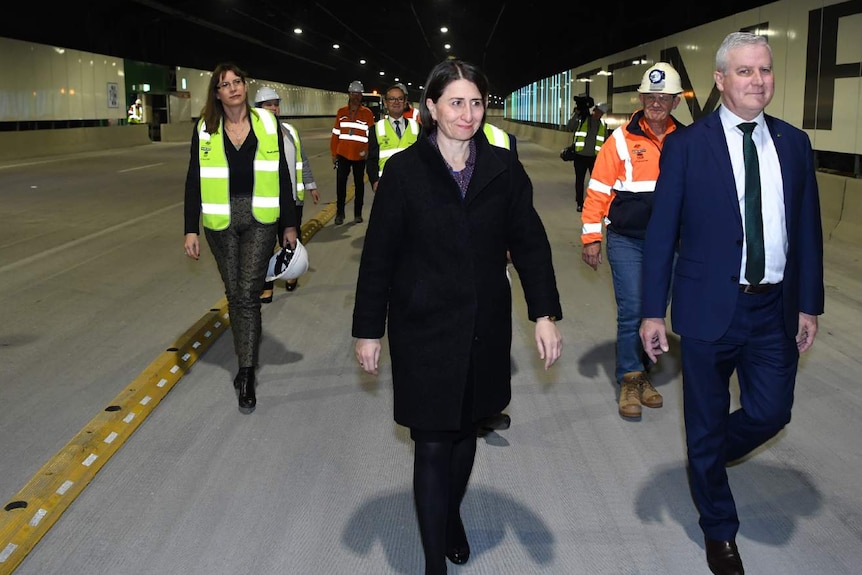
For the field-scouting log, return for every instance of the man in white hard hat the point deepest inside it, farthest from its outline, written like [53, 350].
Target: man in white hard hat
[589, 137]
[349, 148]
[620, 195]
[300, 172]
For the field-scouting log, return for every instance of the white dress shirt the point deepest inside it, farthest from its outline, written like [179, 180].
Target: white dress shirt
[771, 192]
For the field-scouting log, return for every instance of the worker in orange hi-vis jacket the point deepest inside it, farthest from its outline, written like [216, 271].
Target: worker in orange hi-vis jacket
[619, 196]
[349, 148]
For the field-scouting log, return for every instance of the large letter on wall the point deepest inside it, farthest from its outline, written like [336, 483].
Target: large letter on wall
[822, 68]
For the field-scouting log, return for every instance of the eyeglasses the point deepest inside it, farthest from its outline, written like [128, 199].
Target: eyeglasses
[236, 82]
[394, 99]
[663, 99]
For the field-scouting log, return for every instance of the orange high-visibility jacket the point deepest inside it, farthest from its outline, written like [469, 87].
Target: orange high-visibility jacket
[622, 181]
[350, 133]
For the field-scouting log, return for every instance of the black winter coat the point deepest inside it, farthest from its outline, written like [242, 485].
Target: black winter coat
[437, 265]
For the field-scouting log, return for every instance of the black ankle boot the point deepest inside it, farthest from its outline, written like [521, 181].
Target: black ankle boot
[244, 382]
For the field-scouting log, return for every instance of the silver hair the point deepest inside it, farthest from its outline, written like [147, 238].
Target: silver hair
[737, 40]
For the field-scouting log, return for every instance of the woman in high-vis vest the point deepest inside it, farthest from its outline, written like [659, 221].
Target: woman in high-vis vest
[297, 160]
[240, 187]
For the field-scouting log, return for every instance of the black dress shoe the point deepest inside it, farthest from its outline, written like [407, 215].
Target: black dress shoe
[458, 555]
[499, 421]
[291, 286]
[458, 552]
[723, 557]
[244, 382]
[339, 220]
[580, 207]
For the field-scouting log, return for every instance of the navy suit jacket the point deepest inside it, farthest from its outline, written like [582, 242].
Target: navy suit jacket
[696, 210]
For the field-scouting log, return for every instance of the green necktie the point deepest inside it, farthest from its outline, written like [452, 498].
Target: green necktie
[755, 262]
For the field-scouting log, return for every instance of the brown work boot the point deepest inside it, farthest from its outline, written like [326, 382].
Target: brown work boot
[630, 402]
[649, 396]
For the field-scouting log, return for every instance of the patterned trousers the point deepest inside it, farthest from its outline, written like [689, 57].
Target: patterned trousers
[242, 253]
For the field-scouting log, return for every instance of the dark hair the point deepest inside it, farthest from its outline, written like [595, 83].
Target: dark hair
[213, 109]
[444, 74]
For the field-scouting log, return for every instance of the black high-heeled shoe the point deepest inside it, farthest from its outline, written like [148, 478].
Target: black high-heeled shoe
[244, 383]
[458, 552]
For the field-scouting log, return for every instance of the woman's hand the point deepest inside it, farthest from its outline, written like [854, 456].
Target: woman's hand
[368, 354]
[193, 246]
[548, 340]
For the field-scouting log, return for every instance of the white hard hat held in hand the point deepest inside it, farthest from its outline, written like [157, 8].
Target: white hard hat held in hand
[288, 264]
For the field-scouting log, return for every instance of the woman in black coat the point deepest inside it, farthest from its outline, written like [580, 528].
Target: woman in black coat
[446, 211]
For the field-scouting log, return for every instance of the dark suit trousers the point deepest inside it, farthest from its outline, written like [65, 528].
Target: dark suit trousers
[341, 174]
[765, 359]
[582, 164]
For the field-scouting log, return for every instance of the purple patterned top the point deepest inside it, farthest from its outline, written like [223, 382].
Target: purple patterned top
[463, 177]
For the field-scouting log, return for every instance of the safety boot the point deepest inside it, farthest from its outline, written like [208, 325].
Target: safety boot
[630, 402]
[650, 397]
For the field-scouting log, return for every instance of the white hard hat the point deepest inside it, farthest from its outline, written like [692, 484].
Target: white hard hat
[603, 106]
[660, 78]
[356, 86]
[138, 101]
[266, 94]
[288, 264]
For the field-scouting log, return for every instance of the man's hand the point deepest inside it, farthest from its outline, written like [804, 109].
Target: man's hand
[806, 332]
[654, 337]
[592, 254]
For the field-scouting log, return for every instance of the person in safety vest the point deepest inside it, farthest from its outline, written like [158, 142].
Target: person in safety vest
[619, 196]
[349, 148]
[589, 136]
[392, 134]
[300, 173]
[238, 184]
[410, 112]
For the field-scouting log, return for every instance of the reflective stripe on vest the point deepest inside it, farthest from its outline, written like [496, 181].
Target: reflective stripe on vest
[214, 173]
[581, 136]
[626, 185]
[299, 189]
[496, 136]
[389, 142]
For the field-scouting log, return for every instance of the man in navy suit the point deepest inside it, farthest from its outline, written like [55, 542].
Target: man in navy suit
[729, 315]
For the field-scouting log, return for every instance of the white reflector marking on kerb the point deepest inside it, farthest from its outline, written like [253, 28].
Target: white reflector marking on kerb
[111, 437]
[65, 487]
[7, 552]
[37, 517]
[90, 459]
[146, 400]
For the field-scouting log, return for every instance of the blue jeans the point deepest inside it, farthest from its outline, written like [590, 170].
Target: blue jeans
[625, 256]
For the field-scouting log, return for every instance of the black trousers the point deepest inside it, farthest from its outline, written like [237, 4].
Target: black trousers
[341, 174]
[582, 164]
